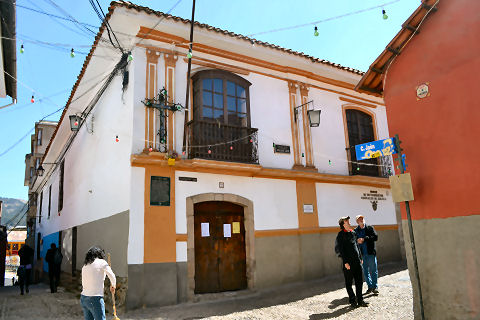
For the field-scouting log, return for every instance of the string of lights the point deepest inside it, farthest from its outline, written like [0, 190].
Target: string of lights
[313, 23]
[17, 107]
[249, 137]
[50, 114]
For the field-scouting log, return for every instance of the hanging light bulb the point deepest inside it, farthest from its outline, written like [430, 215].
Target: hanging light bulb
[150, 149]
[385, 17]
[33, 99]
[72, 53]
[330, 162]
[116, 139]
[189, 54]
[22, 49]
[231, 147]
[183, 152]
[130, 57]
[358, 168]
[315, 32]
[209, 151]
[251, 140]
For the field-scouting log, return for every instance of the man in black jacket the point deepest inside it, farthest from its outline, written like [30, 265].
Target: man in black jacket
[366, 237]
[346, 243]
[54, 260]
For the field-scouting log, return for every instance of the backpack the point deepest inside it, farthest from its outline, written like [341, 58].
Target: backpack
[57, 257]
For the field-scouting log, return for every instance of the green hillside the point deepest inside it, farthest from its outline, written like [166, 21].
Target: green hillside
[12, 210]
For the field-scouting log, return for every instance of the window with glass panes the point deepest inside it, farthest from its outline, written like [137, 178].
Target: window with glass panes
[221, 97]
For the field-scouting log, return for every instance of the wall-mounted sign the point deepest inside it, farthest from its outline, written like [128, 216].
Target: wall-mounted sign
[308, 208]
[159, 191]
[401, 186]
[205, 229]
[278, 148]
[187, 179]
[227, 230]
[375, 149]
[221, 185]
[422, 91]
[373, 196]
[236, 227]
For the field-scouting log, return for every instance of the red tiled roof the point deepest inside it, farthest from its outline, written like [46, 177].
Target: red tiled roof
[138, 8]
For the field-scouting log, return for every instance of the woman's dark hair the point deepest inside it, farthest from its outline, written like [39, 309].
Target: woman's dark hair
[94, 253]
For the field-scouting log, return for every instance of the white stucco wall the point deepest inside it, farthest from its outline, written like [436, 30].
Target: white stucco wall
[97, 179]
[136, 221]
[274, 200]
[337, 200]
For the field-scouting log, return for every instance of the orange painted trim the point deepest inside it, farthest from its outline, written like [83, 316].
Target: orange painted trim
[345, 127]
[159, 49]
[317, 230]
[252, 170]
[307, 134]
[150, 89]
[159, 221]
[357, 102]
[147, 33]
[292, 93]
[218, 65]
[170, 63]
[306, 194]
[181, 237]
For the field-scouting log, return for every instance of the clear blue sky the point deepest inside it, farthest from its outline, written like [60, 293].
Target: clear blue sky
[353, 41]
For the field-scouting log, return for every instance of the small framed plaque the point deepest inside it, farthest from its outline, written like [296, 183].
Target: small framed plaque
[308, 208]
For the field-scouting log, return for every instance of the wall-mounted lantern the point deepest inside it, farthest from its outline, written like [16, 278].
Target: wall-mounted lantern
[40, 171]
[313, 115]
[75, 121]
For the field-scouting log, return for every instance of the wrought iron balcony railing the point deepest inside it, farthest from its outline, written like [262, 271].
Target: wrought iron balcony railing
[215, 141]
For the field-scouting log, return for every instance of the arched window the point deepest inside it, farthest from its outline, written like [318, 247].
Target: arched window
[221, 97]
[360, 130]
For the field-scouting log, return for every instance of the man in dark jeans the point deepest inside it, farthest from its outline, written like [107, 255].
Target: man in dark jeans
[25, 268]
[54, 260]
[346, 242]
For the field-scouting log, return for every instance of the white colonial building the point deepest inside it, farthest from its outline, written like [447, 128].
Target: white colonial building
[235, 191]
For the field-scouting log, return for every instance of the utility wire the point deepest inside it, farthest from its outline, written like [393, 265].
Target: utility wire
[109, 28]
[48, 115]
[323, 20]
[15, 215]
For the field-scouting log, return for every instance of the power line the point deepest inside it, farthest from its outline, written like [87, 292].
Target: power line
[16, 215]
[48, 115]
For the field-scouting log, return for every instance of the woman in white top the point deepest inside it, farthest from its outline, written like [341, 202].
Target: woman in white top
[94, 270]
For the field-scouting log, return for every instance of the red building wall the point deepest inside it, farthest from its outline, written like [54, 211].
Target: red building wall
[440, 133]
[441, 139]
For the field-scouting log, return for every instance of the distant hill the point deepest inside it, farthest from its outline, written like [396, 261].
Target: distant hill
[12, 210]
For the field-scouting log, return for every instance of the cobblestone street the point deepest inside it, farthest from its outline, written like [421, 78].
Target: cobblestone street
[319, 299]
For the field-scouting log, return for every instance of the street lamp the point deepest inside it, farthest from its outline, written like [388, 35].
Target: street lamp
[40, 171]
[75, 122]
[313, 115]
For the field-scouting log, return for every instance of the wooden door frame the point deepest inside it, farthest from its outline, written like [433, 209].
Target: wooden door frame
[249, 235]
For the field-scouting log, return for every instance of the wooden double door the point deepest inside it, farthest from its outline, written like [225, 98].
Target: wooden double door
[220, 258]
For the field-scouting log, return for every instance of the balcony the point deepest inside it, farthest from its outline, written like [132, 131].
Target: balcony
[215, 141]
[377, 167]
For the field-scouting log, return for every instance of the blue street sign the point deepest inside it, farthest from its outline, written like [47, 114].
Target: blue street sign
[375, 149]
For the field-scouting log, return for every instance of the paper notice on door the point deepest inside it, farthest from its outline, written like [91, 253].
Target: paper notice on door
[227, 230]
[236, 227]
[205, 229]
